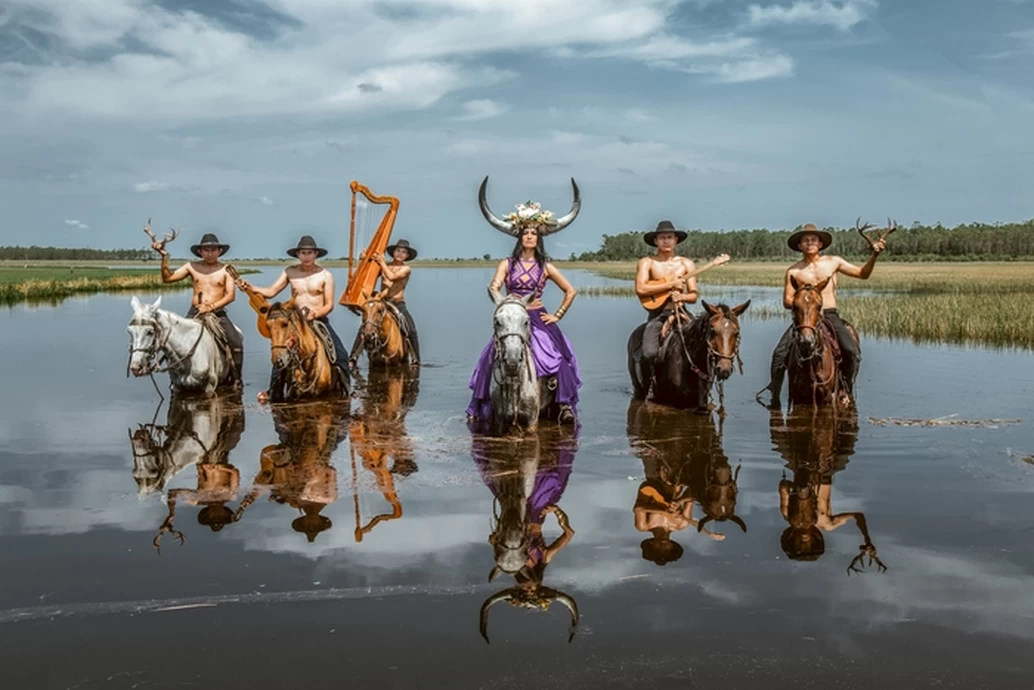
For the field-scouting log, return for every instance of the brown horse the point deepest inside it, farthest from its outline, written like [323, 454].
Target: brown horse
[383, 340]
[814, 366]
[302, 370]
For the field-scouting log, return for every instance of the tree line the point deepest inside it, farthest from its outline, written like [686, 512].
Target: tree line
[35, 253]
[972, 242]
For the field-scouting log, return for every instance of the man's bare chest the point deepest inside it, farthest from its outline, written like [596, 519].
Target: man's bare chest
[664, 269]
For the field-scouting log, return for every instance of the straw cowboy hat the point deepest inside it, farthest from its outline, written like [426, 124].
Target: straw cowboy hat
[208, 240]
[664, 226]
[795, 239]
[405, 245]
[306, 242]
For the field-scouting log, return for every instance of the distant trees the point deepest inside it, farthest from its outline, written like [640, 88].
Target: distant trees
[972, 242]
[35, 253]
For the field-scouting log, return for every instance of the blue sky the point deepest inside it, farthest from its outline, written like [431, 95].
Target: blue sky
[250, 118]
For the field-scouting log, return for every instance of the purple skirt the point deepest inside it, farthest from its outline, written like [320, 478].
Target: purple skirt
[553, 356]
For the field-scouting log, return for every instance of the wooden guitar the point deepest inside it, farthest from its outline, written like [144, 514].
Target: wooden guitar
[256, 301]
[656, 301]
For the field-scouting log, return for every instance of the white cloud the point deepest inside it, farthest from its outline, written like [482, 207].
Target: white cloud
[77, 224]
[266, 201]
[820, 12]
[482, 109]
[146, 187]
[755, 70]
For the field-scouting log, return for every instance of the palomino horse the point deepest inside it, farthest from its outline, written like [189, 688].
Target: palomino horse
[527, 476]
[816, 443]
[519, 396]
[696, 354]
[383, 340]
[189, 349]
[298, 470]
[195, 430]
[813, 367]
[301, 367]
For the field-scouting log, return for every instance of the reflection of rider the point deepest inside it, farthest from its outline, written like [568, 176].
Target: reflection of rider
[813, 269]
[815, 445]
[394, 279]
[526, 272]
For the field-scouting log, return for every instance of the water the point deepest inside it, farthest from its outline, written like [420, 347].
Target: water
[86, 600]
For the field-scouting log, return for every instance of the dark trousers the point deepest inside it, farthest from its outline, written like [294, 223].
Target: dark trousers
[850, 354]
[409, 332]
[652, 338]
[235, 340]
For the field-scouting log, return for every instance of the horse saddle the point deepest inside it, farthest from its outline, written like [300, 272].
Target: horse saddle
[323, 333]
[399, 319]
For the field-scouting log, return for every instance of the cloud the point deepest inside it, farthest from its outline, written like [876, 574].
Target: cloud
[266, 201]
[147, 187]
[1022, 42]
[820, 12]
[482, 109]
[77, 224]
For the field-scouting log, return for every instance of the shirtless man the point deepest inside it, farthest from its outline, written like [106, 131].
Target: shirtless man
[394, 279]
[312, 289]
[662, 508]
[213, 289]
[812, 269]
[671, 274]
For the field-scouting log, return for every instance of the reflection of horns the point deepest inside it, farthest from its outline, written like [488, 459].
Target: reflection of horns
[514, 592]
[735, 518]
[507, 227]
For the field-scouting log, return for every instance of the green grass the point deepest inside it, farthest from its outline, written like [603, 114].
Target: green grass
[975, 303]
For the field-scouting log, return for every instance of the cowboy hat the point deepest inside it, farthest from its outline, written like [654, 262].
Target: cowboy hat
[405, 245]
[795, 239]
[208, 240]
[306, 242]
[664, 226]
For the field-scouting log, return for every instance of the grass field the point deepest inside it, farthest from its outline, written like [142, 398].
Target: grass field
[982, 303]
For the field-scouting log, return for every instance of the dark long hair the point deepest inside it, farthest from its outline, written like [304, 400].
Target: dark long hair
[541, 257]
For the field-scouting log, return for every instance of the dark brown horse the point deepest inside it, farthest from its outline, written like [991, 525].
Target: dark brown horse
[814, 365]
[302, 370]
[696, 355]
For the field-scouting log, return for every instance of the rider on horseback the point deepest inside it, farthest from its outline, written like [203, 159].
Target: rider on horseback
[312, 289]
[394, 279]
[213, 289]
[664, 272]
[812, 269]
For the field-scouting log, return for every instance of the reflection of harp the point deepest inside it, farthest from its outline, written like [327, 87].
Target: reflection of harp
[375, 460]
[363, 279]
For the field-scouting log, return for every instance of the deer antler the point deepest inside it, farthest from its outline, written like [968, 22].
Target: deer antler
[892, 225]
[167, 238]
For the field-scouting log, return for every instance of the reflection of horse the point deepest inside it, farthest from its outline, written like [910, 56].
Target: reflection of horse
[199, 432]
[193, 351]
[379, 433]
[297, 470]
[383, 340]
[196, 430]
[302, 369]
[527, 476]
[684, 464]
[814, 365]
[696, 354]
[816, 443]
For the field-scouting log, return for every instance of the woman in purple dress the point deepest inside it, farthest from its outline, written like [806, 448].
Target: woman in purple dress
[526, 271]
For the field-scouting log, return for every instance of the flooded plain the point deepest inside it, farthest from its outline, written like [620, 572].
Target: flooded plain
[228, 544]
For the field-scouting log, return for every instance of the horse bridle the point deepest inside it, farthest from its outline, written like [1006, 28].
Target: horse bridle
[157, 347]
[820, 345]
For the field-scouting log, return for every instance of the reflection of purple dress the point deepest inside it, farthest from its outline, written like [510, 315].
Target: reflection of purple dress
[550, 348]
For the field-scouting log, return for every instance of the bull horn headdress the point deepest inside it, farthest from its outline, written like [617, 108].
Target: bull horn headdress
[529, 212]
[540, 598]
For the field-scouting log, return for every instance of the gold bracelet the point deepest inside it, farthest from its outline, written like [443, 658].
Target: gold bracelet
[560, 313]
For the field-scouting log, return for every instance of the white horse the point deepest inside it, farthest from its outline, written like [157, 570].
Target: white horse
[514, 390]
[192, 357]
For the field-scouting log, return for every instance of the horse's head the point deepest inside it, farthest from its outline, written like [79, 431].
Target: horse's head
[374, 312]
[512, 327]
[286, 325]
[723, 336]
[145, 336]
[719, 499]
[807, 312]
[509, 539]
[149, 459]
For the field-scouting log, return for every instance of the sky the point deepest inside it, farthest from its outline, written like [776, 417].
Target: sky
[249, 119]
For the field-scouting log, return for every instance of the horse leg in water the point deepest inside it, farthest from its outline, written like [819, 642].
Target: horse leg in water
[634, 358]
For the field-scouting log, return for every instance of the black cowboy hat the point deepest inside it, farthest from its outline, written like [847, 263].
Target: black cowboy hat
[306, 242]
[664, 226]
[208, 240]
[311, 525]
[405, 245]
[795, 239]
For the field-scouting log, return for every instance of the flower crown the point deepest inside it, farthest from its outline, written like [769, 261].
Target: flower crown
[531, 212]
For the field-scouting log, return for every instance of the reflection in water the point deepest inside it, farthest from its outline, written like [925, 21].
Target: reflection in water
[379, 433]
[816, 444]
[527, 475]
[684, 465]
[199, 432]
[297, 470]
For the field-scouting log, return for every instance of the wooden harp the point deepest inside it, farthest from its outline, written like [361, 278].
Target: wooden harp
[362, 274]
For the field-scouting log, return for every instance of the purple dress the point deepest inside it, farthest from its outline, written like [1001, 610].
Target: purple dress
[550, 348]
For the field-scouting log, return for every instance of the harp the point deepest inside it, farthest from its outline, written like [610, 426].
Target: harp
[367, 208]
